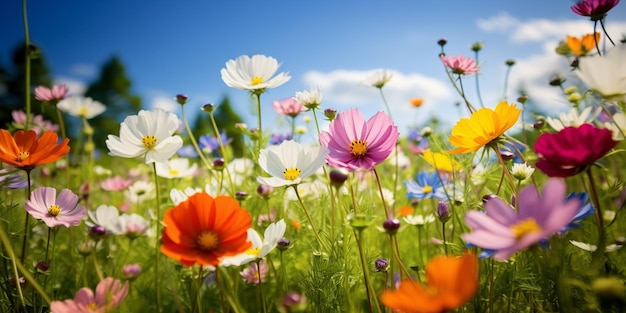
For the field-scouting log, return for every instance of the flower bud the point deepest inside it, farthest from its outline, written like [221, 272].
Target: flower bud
[97, 231]
[264, 190]
[86, 248]
[181, 99]
[488, 197]
[557, 81]
[358, 221]
[477, 47]
[442, 42]
[218, 164]
[443, 211]
[338, 177]
[510, 62]
[241, 195]
[391, 226]
[293, 302]
[608, 287]
[570, 90]
[283, 244]
[539, 124]
[42, 266]
[132, 271]
[426, 132]
[522, 99]
[381, 265]
[506, 155]
[330, 114]
[209, 107]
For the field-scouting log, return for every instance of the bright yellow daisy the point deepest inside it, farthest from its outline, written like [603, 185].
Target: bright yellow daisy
[441, 161]
[483, 127]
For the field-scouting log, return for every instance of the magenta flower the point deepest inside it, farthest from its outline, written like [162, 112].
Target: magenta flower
[43, 93]
[116, 183]
[460, 65]
[109, 294]
[288, 106]
[64, 210]
[503, 231]
[355, 144]
[594, 9]
[568, 152]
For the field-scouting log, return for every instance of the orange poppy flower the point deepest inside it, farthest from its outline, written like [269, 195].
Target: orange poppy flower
[24, 150]
[203, 229]
[451, 281]
[582, 46]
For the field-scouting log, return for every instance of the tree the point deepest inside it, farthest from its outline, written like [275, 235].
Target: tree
[113, 89]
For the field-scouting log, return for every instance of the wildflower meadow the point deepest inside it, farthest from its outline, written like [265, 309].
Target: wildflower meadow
[506, 211]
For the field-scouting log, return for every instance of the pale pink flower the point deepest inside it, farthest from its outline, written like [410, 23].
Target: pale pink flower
[37, 123]
[254, 274]
[109, 294]
[64, 210]
[356, 144]
[43, 93]
[288, 106]
[460, 65]
[116, 183]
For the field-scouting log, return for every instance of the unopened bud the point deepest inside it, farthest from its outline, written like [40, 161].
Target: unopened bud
[330, 114]
[181, 99]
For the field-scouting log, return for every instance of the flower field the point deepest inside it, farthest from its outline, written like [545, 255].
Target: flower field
[505, 212]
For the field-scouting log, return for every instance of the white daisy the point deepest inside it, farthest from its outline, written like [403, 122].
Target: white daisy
[81, 107]
[522, 171]
[605, 74]
[378, 78]
[176, 168]
[573, 118]
[290, 162]
[419, 220]
[254, 73]
[617, 126]
[311, 98]
[260, 247]
[148, 134]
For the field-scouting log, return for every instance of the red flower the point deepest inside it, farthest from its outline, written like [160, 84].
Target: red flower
[595, 9]
[571, 150]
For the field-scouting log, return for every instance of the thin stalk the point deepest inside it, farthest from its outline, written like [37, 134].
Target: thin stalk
[396, 254]
[366, 276]
[308, 216]
[382, 95]
[25, 236]
[380, 190]
[443, 237]
[595, 39]
[223, 151]
[258, 272]
[194, 143]
[67, 156]
[198, 303]
[157, 246]
[480, 99]
[605, 32]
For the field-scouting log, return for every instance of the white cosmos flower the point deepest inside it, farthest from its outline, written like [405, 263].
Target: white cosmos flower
[140, 191]
[148, 134]
[176, 168]
[378, 78]
[260, 247]
[419, 220]
[106, 216]
[605, 74]
[290, 162]
[254, 73]
[311, 98]
[591, 248]
[81, 107]
[617, 126]
[573, 118]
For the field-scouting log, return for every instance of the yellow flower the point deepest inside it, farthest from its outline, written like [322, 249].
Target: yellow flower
[483, 127]
[441, 161]
[582, 46]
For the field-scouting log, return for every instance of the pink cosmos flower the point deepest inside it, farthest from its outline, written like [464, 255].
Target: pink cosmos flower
[64, 210]
[460, 65]
[569, 151]
[116, 183]
[288, 106]
[38, 124]
[253, 275]
[594, 9]
[43, 93]
[503, 231]
[356, 144]
[109, 294]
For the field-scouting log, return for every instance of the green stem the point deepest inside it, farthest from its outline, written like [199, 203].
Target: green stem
[382, 196]
[198, 302]
[382, 95]
[157, 245]
[371, 301]
[258, 272]
[308, 216]
[480, 99]
[194, 143]
[25, 236]
[223, 150]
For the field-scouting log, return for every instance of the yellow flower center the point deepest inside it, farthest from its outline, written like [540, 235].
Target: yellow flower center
[524, 227]
[92, 306]
[253, 251]
[358, 148]
[83, 111]
[427, 189]
[22, 156]
[54, 210]
[292, 173]
[173, 172]
[208, 240]
[256, 80]
[149, 141]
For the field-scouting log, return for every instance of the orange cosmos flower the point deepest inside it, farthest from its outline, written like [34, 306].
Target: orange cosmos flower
[483, 127]
[451, 281]
[417, 102]
[203, 229]
[24, 150]
[406, 210]
[582, 46]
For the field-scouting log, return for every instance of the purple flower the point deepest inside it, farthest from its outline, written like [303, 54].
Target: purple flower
[277, 139]
[585, 209]
[356, 144]
[212, 145]
[505, 232]
[594, 9]
[64, 210]
[11, 179]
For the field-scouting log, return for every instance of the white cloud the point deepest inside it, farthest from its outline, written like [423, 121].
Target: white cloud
[499, 23]
[76, 87]
[344, 89]
[165, 103]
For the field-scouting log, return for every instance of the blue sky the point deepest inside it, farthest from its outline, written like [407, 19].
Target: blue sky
[172, 47]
